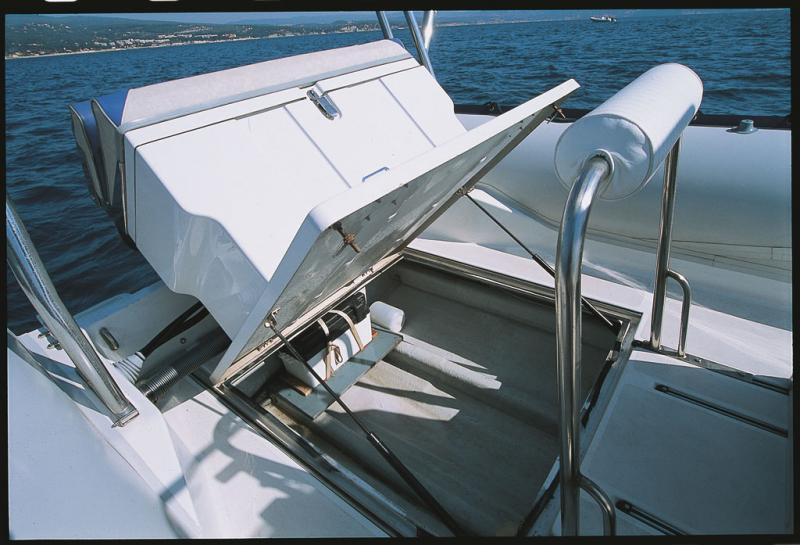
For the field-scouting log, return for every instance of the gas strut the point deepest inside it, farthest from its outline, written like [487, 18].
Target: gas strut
[612, 325]
[376, 442]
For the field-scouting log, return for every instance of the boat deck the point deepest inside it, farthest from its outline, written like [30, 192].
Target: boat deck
[686, 450]
[199, 456]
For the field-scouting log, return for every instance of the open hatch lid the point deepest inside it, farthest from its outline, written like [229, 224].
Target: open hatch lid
[342, 239]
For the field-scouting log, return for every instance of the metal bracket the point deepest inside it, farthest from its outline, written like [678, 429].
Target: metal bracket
[349, 239]
[556, 112]
[325, 104]
[272, 319]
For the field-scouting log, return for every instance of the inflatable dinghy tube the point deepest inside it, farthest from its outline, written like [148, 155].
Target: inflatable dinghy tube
[636, 128]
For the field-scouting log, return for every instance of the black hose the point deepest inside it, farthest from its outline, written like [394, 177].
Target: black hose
[381, 447]
[176, 326]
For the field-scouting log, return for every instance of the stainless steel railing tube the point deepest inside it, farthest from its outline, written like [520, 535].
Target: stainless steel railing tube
[28, 269]
[569, 255]
[386, 28]
[419, 41]
[664, 242]
[427, 28]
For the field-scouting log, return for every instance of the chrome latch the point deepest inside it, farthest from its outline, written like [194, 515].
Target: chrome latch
[325, 104]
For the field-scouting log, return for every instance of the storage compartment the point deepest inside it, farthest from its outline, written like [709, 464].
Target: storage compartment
[467, 399]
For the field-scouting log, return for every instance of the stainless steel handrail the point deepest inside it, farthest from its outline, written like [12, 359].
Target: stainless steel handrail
[568, 322]
[427, 28]
[384, 24]
[569, 256]
[662, 259]
[28, 269]
[685, 306]
[419, 41]
[605, 503]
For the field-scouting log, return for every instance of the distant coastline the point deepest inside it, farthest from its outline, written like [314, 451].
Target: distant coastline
[282, 33]
[44, 37]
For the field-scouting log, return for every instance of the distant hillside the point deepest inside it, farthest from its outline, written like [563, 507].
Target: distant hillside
[31, 35]
[34, 35]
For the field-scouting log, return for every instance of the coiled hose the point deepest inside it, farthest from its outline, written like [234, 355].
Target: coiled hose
[156, 384]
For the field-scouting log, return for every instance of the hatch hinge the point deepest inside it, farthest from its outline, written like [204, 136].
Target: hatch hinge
[324, 103]
[556, 112]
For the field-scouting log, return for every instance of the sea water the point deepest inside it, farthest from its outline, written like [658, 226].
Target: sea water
[743, 59]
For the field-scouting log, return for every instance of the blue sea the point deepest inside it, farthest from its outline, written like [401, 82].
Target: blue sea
[742, 57]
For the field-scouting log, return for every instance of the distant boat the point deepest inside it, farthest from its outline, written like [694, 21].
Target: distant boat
[604, 19]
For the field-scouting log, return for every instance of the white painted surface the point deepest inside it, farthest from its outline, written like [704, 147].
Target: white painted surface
[244, 486]
[701, 471]
[637, 127]
[202, 206]
[64, 480]
[382, 213]
[143, 443]
[153, 103]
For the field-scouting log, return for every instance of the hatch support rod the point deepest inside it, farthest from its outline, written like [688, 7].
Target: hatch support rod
[613, 325]
[374, 440]
[27, 266]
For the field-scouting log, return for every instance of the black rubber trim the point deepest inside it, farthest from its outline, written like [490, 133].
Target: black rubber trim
[755, 422]
[595, 392]
[714, 367]
[701, 119]
[648, 518]
[538, 508]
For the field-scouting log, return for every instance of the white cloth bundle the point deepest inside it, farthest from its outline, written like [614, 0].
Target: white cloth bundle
[637, 127]
[387, 316]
